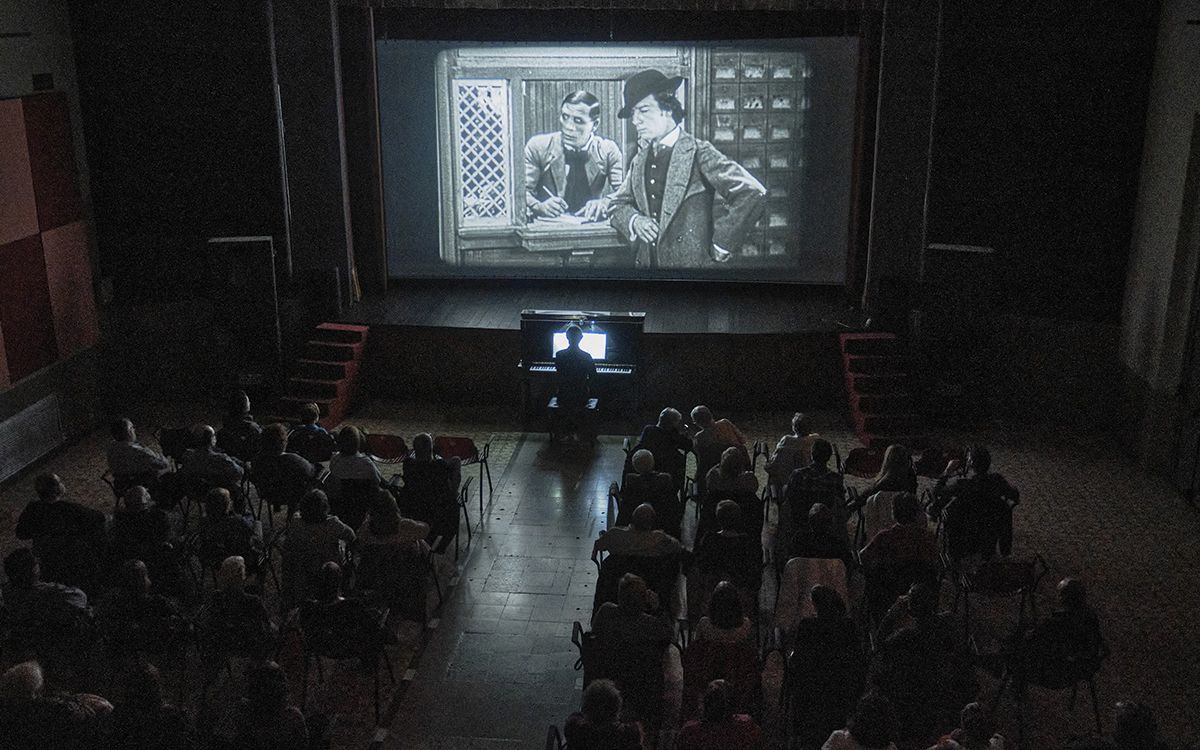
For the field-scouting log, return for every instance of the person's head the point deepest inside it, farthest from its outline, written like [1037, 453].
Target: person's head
[821, 519]
[274, 439]
[922, 601]
[1072, 595]
[643, 461]
[423, 446]
[574, 335]
[822, 451]
[349, 440]
[644, 517]
[725, 608]
[385, 514]
[976, 723]
[873, 723]
[329, 582]
[799, 424]
[906, 508]
[314, 506]
[669, 418]
[49, 487]
[238, 404]
[732, 463]
[827, 602]
[717, 703]
[577, 118]
[729, 515]
[134, 578]
[231, 576]
[203, 436]
[217, 503]
[23, 682]
[702, 417]
[632, 593]
[897, 463]
[309, 414]
[141, 687]
[1136, 728]
[136, 497]
[979, 459]
[656, 114]
[122, 430]
[22, 568]
[601, 703]
[266, 688]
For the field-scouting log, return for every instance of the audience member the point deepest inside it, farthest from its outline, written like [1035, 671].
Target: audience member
[822, 537]
[236, 621]
[657, 488]
[871, 727]
[134, 620]
[793, 452]
[732, 476]
[430, 492]
[896, 474]
[309, 439]
[815, 483]
[598, 725]
[139, 529]
[1136, 728]
[67, 537]
[729, 553]
[280, 477]
[31, 719]
[1066, 646]
[639, 538]
[264, 720]
[318, 538]
[720, 728]
[224, 533]
[629, 621]
[978, 507]
[129, 458]
[725, 622]
[208, 464]
[909, 540]
[239, 434]
[143, 720]
[669, 444]
[350, 462]
[393, 558]
[42, 614]
[976, 731]
[711, 439]
[826, 668]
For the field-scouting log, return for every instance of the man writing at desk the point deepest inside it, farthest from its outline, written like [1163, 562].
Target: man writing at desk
[572, 171]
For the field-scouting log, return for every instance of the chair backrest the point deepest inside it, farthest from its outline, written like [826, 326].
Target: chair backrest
[660, 572]
[799, 576]
[174, 442]
[863, 462]
[386, 448]
[463, 448]
[736, 663]
[877, 513]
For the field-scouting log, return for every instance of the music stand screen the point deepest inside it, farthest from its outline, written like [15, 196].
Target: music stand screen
[595, 344]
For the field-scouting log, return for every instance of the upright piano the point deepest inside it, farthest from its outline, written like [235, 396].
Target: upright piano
[616, 372]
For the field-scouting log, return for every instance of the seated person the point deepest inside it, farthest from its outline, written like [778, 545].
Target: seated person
[430, 491]
[224, 533]
[133, 619]
[978, 507]
[1066, 646]
[719, 728]
[575, 369]
[710, 440]
[815, 483]
[264, 719]
[639, 538]
[732, 476]
[597, 725]
[896, 474]
[794, 451]
[32, 718]
[41, 612]
[822, 538]
[392, 554]
[669, 444]
[236, 621]
[309, 439]
[872, 726]
[279, 476]
[725, 622]
[317, 539]
[210, 465]
[335, 625]
[729, 553]
[1136, 728]
[629, 619]
[976, 731]
[826, 669]
[350, 461]
[239, 433]
[129, 458]
[143, 720]
[649, 486]
[909, 540]
[67, 537]
[139, 529]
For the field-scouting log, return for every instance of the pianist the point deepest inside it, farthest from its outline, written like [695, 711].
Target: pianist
[576, 369]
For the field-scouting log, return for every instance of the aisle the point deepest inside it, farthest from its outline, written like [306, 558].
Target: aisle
[498, 668]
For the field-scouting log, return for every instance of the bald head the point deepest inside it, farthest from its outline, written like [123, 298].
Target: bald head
[702, 416]
[644, 517]
[669, 418]
[204, 435]
[136, 497]
[643, 461]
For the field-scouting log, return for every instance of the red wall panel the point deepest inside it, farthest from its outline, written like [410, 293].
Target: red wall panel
[52, 159]
[4, 381]
[26, 316]
[18, 210]
[69, 278]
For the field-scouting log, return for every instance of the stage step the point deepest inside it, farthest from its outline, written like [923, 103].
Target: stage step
[877, 384]
[883, 409]
[887, 424]
[309, 388]
[875, 365]
[318, 370]
[340, 333]
[326, 373]
[332, 352]
[883, 403]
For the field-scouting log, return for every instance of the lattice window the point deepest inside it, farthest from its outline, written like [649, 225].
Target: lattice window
[485, 175]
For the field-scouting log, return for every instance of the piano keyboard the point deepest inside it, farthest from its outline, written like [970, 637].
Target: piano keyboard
[600, 369]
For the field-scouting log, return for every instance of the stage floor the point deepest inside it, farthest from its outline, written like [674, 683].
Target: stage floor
[670, 307]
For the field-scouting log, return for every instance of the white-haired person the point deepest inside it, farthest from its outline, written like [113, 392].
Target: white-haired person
[669, 443]
[646, 485]
[711, 439]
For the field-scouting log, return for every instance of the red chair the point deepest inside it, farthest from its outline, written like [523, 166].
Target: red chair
[863, 462]
[384, 448]
[464, 449]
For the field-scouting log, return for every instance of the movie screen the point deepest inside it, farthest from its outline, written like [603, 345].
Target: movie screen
[701, 161]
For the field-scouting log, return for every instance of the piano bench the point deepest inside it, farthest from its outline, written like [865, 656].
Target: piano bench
[583, 421]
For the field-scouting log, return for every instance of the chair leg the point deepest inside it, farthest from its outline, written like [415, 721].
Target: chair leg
[375, 679]
[437, 585]
[387, 662]
[304, 684]
[1074, 695]
[1095, 704]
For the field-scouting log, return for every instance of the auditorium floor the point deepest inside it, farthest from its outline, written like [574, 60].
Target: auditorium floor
[497, 668]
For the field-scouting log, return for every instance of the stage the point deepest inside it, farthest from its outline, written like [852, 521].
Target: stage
[732, 346]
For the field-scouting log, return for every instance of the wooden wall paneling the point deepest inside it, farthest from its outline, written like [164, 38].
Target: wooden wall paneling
[18, 209]
[25, 312]
[4, 381]
[69, 280]
[52, 160]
